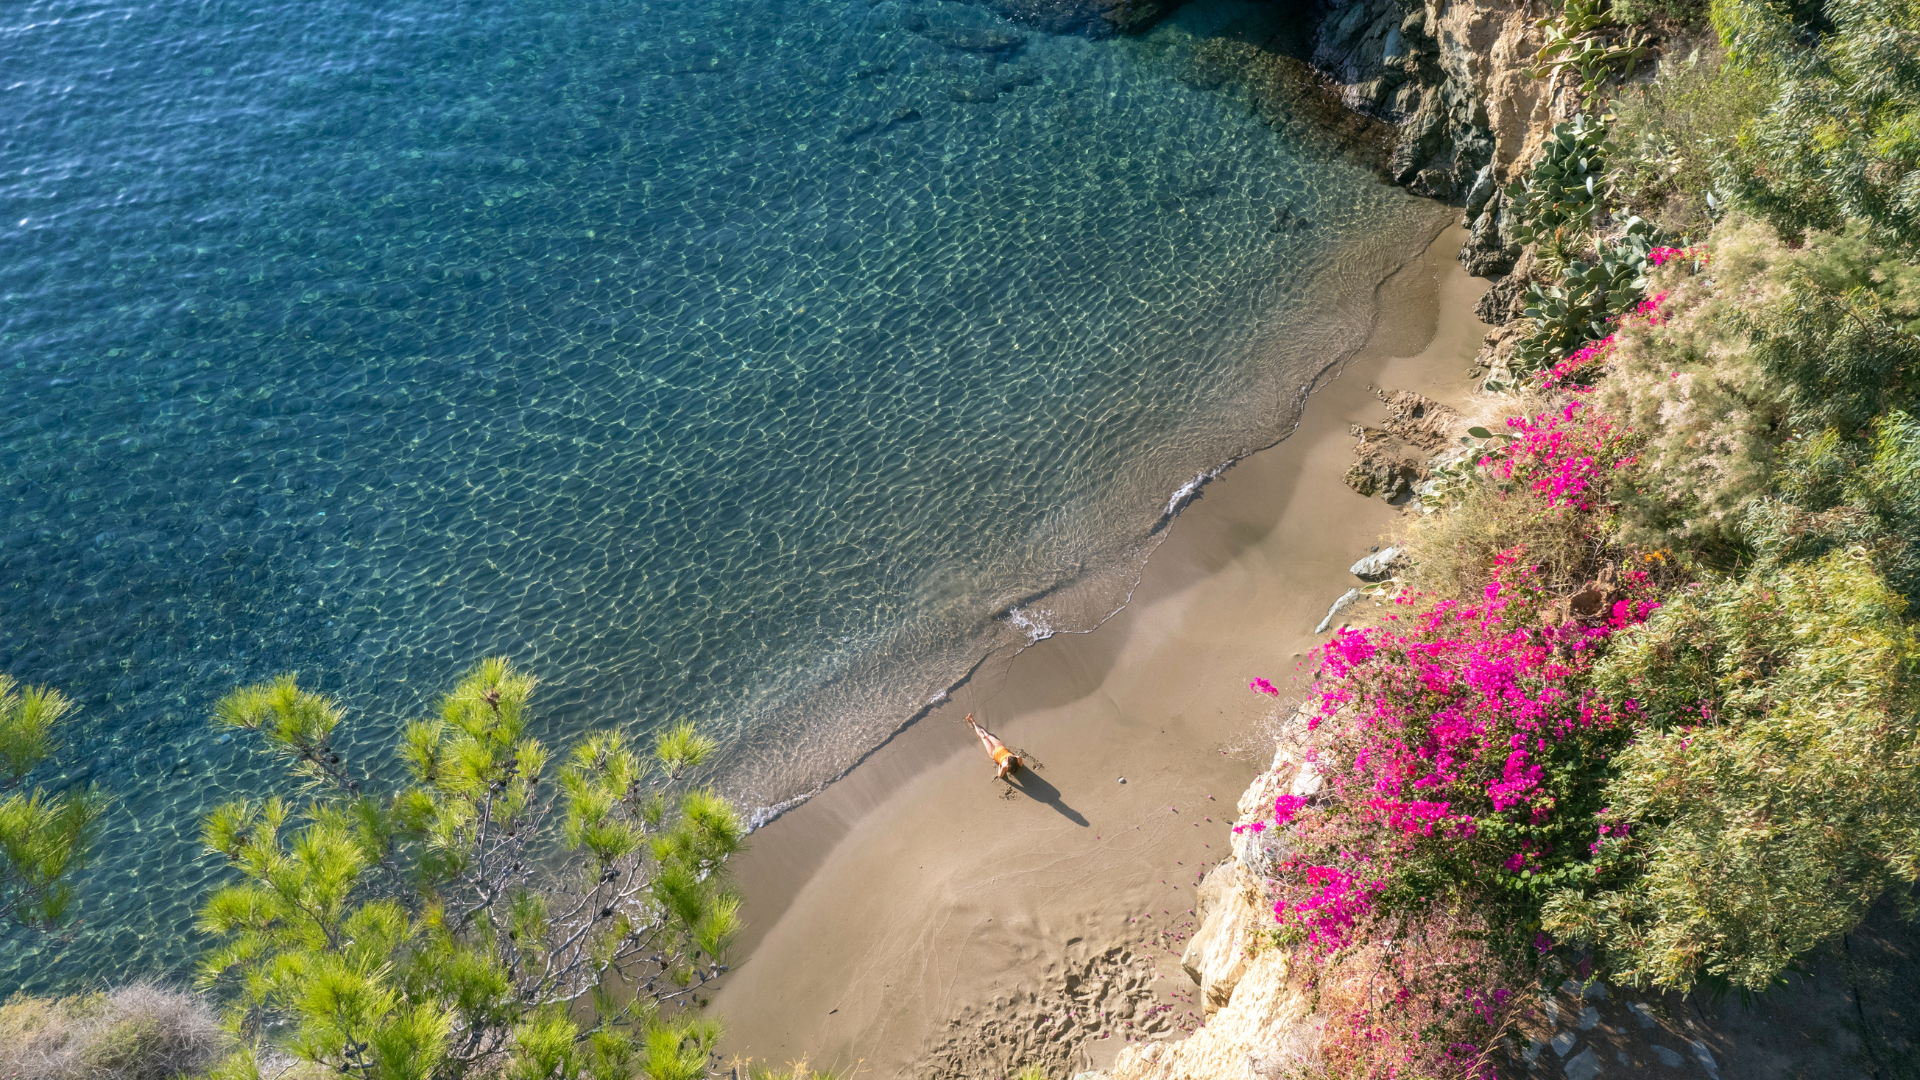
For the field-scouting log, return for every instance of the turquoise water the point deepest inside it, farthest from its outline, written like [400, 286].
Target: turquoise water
[764, 363]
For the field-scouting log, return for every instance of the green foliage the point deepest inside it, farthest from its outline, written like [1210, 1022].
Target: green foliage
[1776, 794]
[43, 836]
[1667, 134]
[1840, 141]
[1845, 493]
[1775, 346]
[1556, 201]
[1680, 13]
[418, 937]
[298, 724]
[1577, 40]
[1841, 357]
[1588, 299]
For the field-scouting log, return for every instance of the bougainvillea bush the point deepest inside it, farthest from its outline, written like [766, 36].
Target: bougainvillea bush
[1463, 753]
[1459, 754]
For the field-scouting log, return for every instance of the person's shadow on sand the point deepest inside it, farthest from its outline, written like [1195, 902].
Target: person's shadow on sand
[1035, 787]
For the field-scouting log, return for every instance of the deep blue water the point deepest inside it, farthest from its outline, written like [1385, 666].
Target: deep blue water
[761, 362]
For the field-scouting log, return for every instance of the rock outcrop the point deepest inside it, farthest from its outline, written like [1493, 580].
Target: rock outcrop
[1387, 461]
[1452, 77]
[1259, 1017]
[1230, 934]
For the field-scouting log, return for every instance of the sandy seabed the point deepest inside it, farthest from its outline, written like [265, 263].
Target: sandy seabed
[921, 919]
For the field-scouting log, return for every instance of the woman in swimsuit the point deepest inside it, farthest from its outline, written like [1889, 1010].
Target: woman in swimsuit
[1004, 760]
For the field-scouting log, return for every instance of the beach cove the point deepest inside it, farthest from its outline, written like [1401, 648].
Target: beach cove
[916, 919]
[759, 366]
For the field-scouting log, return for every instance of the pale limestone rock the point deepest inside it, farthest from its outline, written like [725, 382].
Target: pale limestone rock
[1233, 924]
[1267, 1025]
[1339, 608]
[1288, 775]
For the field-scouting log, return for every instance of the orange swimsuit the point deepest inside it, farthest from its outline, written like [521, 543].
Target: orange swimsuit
[1001, 754]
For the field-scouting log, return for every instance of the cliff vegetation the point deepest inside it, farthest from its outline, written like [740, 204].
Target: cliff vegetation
[1643, 714]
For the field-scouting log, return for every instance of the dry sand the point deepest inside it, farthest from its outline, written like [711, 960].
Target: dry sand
[920, 919]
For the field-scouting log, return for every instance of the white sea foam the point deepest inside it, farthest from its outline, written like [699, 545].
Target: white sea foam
[1186, 491]
[1031, 623]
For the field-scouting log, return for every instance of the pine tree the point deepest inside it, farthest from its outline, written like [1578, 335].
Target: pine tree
[43, 837]
[485, 916]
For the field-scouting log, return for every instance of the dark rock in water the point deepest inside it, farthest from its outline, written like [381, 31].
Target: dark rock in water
[990, 89]
[973, 39]
[863, 129]
[975, 93]
[1097, 18]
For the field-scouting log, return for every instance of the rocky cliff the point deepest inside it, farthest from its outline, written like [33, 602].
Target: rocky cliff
[1451, 75]
[1259, 1018]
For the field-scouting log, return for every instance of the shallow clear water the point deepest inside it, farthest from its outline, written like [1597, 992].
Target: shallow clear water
[763, 362]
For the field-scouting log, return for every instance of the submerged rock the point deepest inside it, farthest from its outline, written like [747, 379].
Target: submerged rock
[1096, 18]
[973, 39]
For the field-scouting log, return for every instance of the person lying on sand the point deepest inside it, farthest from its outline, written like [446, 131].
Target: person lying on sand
[1004, 760]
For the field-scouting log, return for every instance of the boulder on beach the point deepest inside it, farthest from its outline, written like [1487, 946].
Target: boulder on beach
[1377, 566]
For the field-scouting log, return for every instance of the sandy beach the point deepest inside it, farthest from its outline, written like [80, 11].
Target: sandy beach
[920, 919]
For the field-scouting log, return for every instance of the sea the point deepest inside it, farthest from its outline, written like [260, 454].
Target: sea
[760, 363]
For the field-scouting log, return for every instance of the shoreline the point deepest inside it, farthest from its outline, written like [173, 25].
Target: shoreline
[1087, 607]
[917, 918]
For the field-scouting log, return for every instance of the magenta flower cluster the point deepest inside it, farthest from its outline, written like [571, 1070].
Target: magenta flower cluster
[1445, 737]
[1562, 457]
[1572, 373]
[1661, 256]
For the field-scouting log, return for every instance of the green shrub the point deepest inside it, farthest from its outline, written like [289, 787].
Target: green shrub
[1453, 553]
[1667, 133]
[1681, 13]
[1776, 793]
[1840, 141]
[1838, 493]
[43, 836]
[1775, 344]
[1708, 417]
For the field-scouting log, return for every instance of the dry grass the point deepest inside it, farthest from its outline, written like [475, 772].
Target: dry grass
[139, 1032]
[749, 1069]
[1451, 553]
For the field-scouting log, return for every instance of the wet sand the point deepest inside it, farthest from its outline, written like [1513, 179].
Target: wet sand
[920, 919]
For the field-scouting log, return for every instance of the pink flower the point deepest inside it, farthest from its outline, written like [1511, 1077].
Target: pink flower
[1262, 686]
